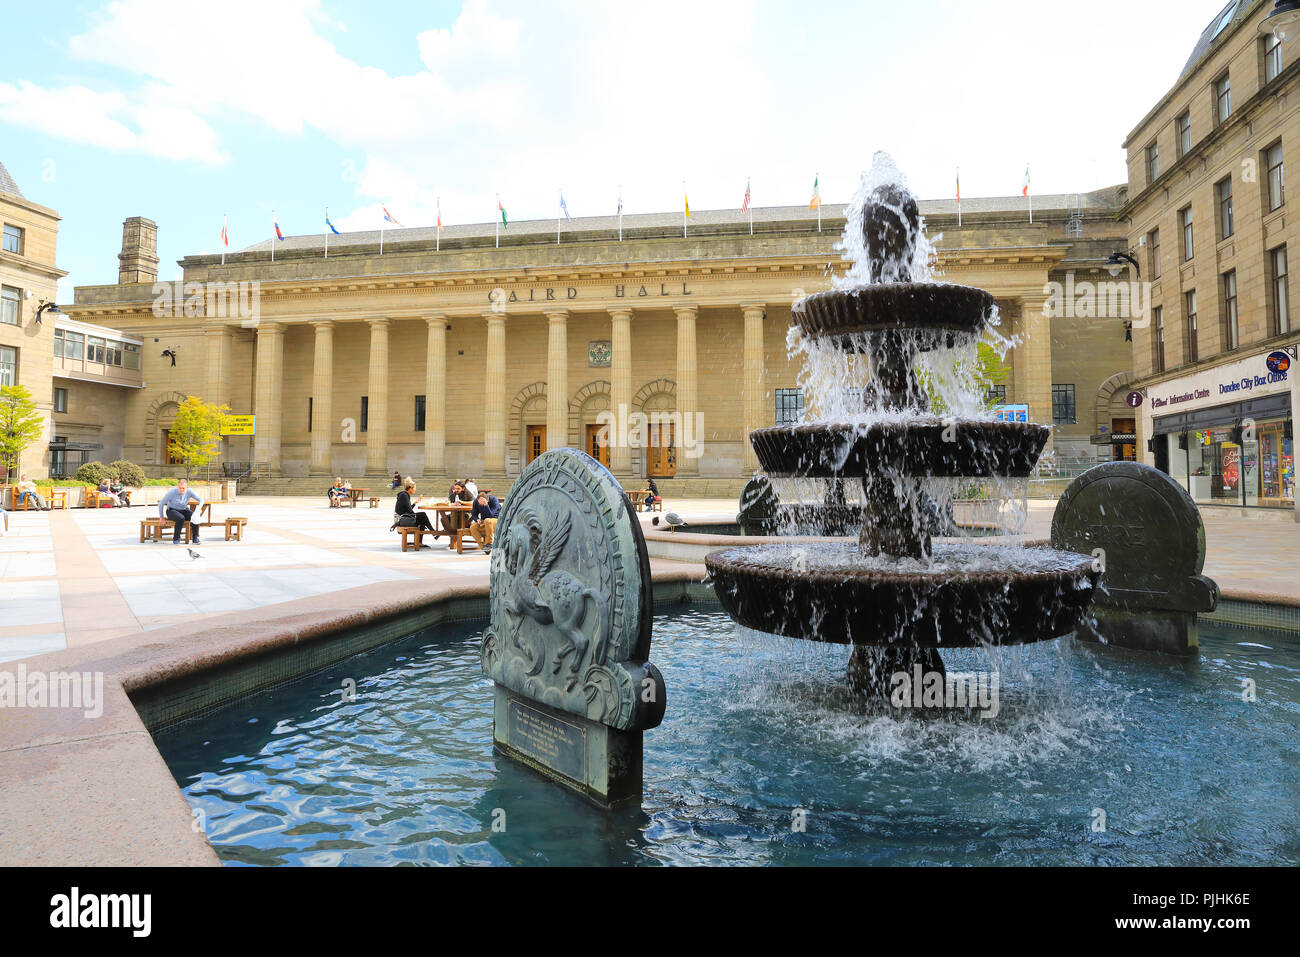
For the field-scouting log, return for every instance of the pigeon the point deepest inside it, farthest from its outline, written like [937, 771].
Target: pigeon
[672, 520]
[193, 553]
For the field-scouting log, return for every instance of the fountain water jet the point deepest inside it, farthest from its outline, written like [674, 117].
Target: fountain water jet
[897, 596]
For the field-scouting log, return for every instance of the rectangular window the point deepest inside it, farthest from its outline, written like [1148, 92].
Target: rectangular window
[130, 356]
[1158, 339]
[1230, 339]
[60, 400]
[10, 302]
[113, 353]
[1153, 241]
[74, 344]
[1185, 221]
[1183, 131]
[365, 412]
[58, 342]
[1222, 99]
[309, 412]
[1062, 403]
[8, 365]
[789, 406]
[94, 349]
[1224, 189]
[1272, 57]
[1153, 163]
[1189, 309]
[1273, 162]
[995, 395]
[13, 239]
[1281, 295]
[419, 413]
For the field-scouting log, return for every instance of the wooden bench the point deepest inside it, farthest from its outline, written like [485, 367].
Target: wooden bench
[235, 528]
[374, 501]
[409, 532]
[463, 536]
[95, 498]
[151, 529]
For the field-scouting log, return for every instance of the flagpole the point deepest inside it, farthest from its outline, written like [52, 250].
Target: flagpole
[818, 178]
[498, 221]
[327, 232]
[437, 243]
[225, 237]
[620, 212]
[558, 210]
[958, 197]
[272, 235]
[685, 205]
[750, 204]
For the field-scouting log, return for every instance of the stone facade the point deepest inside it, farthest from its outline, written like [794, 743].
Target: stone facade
[1218, 130]
[479, 340]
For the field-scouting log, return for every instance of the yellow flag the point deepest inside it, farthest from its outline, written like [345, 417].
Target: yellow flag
[686, 200]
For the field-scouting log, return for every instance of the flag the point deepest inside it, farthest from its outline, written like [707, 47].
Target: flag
[1024, 191]
[225, 235]
[328, 223]
[816, 201]
[564, 207]
[504, 222]
[744, 207]
[388, 216]
[686, 201]
[276, 223]
[958, 186]
[620, 214]
[440, 215]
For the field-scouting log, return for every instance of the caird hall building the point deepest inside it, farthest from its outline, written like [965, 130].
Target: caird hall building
[449, 355]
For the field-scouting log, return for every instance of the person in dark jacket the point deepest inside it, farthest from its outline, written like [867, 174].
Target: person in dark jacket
[652, 493]
[483, 520]
[406, 514]
[397, 480]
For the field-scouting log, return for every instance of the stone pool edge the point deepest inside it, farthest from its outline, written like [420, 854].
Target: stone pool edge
[94, 791]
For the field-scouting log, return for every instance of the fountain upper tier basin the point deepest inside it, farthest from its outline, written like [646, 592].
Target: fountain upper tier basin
[934, 308]
[924, 446]
[966, 595]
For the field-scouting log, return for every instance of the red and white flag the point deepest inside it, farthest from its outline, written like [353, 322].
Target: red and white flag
[744, 207]
[225, 235]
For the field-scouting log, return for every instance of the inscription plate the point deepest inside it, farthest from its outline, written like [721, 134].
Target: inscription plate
[553, 742]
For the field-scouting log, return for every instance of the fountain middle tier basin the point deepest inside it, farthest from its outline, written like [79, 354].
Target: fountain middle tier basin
[966, 595]
[914, 308]
[921, 446]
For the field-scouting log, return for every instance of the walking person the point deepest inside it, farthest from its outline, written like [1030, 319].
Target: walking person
[406, 514]
[483, 520]
[27, 488]
[175, 507]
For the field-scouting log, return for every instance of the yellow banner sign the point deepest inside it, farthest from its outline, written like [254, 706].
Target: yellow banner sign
[239, 425]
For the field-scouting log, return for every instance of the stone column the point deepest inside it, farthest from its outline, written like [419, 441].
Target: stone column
[322, 400]
[377, 389]
[435, 398]
[687, 404]
[494, 396]
[1031, 362]
[620, 386]
[268, 393]
[755, 387]
[218, 342]
[557, 380]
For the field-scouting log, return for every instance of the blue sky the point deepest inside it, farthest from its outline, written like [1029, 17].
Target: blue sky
[182, 111]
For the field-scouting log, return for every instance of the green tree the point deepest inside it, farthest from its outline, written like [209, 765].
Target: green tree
[21, 424]
[196, 433]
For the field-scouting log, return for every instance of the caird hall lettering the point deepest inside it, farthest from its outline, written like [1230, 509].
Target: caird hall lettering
[556, 294]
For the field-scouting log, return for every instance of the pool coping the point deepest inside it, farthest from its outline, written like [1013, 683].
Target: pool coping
[96, 792]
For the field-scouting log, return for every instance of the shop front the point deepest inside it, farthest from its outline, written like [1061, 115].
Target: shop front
[1236, 453]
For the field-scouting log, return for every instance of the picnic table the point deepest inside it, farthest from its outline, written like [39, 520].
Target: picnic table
[452, 512]
[354, 495]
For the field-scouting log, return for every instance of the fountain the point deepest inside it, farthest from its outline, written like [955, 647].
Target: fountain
[895, 595]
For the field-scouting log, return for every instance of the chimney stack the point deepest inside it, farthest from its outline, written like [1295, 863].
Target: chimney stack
[138, 260]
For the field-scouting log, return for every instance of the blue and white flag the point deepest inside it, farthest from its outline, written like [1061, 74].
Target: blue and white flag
[564, 207]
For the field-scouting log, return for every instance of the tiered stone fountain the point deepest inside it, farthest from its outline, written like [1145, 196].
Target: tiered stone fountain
[896, 596]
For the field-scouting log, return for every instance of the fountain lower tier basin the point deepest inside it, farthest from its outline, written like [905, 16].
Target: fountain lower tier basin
[966, 595]
[926, 446]
[960, 311]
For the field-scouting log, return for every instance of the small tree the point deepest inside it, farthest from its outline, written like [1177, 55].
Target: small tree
[196, 433]
[21, 424]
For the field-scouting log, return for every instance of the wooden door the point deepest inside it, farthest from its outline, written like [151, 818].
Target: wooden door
[535, 443]
[661, 455]
[598, 444]
[167, 457]
[1126, 452]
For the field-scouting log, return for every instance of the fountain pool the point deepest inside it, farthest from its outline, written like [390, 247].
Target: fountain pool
[758, 727]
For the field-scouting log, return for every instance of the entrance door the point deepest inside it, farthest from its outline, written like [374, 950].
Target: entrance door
[661, 456]
[598, 444]
[1126, 452]
[535, 443]
[167, 457]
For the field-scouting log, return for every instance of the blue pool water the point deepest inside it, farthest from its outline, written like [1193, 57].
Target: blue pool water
[757, 728]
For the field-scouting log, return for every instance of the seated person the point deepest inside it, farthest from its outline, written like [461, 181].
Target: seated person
[26, 489]
[454, 521]
[122, 492]
[471, 488]
[178, 505]
[483, 520]
[652, 493]
[405, 513]
[336, 493]
[397, 480]
[105, 490]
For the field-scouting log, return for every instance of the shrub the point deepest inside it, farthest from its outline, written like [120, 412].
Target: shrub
[92, 473]
[128, 473]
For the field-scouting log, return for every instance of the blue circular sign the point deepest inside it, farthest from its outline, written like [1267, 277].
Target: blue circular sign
[1278, 361]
